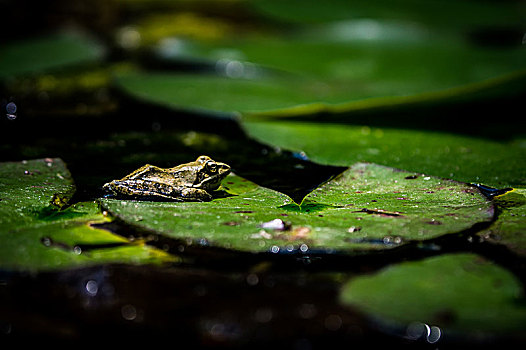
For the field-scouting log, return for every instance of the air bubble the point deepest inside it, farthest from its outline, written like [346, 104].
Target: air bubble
[129, 312]
[92, 287]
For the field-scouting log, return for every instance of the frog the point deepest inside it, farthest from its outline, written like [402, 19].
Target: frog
[189, 182]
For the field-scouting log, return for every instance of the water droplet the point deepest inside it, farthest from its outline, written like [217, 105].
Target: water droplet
[252, 279]
[333, 322]
[263, 315]
[129, 312]
[92, 287]
[307, 311]
[276, 224]
[46, 241]
[11, 108]
[274, 249]
[420, 330]
[304, 248]
[77, 250]
[434, 334]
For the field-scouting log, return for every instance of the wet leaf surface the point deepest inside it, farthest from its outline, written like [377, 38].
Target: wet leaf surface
[38, 234]
[365, 63]
[46, 53]
[509, 229]
[367, 207]
[459, 293]
[468, 159]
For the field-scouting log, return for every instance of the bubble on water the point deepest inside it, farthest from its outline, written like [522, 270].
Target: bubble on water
[422, 331]
[92, 287]
[252, 279]
[263, 315]
[307, 311]
[10, 108]
[129, 312]
[333, 322]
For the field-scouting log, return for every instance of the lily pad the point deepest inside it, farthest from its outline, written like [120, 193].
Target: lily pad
[468, 14]
[368, 207]
[349, 77]
[461, 294]
[468, 159]
[345, 65]
[509, 229]
[45, 53]
[40, 231]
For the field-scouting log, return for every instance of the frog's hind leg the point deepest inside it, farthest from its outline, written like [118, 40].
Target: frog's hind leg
[127, 190]
[147, 169]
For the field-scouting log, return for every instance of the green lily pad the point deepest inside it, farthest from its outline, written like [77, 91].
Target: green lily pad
[350, 77]
[368, 207]
[468, 14]
[467, 159]
[39, 231]
[459, 293]
[344, 66]
[509, 229]
[45, 53]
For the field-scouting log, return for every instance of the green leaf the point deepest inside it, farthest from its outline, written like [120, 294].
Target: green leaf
[45, 53]
[468, 14]
[344, 66]
[39, 231]
[459, 293]
[353, 77]
[368, 207]
[509, 229]
[462, 158]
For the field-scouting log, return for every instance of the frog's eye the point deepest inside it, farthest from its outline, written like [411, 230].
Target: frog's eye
[202, 159]
[211, 166]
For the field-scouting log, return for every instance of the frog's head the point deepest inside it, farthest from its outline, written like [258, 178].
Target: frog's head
[210, 173]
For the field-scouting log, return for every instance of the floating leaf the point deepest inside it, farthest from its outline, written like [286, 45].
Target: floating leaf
[45, 53]
[462, 294]
[344, 66]
[447, 155]
[509, 229]
[469, 14]
[39, 232]
[367, 207]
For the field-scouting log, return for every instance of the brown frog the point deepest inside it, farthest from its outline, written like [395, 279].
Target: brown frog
[189, 182]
